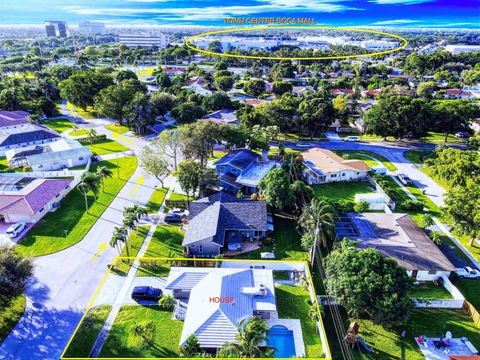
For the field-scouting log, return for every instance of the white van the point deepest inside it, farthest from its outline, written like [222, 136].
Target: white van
[351, 138]
[15, 230]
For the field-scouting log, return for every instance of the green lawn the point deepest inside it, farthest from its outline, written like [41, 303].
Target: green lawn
[78, 132]
[89, 114]
[354, 156]
[87, 333]
[387, 163]
[291, 304]
[136, 240]
[156, 200]
[119, 129]
[3, 164]
[342, 190]
[176, 196]
[121, 341]
[430, 291]
[10, 316]
[107, 147]
[48, 236]
[439, 138]
[471, 290]
[388, 344]
[465, 239]
[418, 156]
[59, 125]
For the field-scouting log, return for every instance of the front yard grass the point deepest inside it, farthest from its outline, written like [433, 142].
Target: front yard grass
[88, 331]
[156, 200]
[354, 156]
[119, 129]
[3, 164]
[291, 304]
[59, 125]
[418, 156]
[10, 316]
[107, 147]
[433, 323]
[471, 290]
[78, 132]
[430, 291]
[48, 236]
[342, 190]
[387, 163]
[136, 239]
[121, 341]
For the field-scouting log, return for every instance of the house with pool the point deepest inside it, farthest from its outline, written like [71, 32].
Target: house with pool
[212, 302]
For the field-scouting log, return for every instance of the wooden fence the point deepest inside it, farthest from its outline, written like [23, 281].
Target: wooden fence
[475, 315]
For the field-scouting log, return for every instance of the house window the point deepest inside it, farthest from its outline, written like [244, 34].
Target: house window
[40, 166]
[57, 195]
[432, 272]
[358, 173]
[200, 248]
[80, 158]
[40, 210]
[343, 174]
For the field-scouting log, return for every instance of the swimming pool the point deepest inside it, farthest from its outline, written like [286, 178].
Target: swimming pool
[281, 339]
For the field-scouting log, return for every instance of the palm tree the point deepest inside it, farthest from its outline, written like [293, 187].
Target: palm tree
[84, 188]
[115, 243]
[92, 135]
[130, 221]
[317, 218]
[252, 331]
[120, 236]
[103, 172]
[89, 183]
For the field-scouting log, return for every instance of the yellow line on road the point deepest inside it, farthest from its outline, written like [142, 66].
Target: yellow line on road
[140, 181]
[123, 138]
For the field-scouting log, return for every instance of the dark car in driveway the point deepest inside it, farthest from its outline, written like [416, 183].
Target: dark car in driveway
[173, 219]
[146, 293]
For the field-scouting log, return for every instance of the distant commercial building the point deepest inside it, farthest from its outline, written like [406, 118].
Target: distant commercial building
[92, 28]
[56, 28]
[158, 41]
[457, 49]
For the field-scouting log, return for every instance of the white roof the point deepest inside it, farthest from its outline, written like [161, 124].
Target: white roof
[215, 323]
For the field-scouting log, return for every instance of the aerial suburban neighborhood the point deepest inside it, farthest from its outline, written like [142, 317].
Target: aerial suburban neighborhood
[262, 179]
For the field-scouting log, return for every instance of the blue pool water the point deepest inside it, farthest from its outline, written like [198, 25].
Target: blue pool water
[281, 339]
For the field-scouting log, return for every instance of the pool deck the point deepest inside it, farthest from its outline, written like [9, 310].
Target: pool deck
[296, 327]
[457, 347]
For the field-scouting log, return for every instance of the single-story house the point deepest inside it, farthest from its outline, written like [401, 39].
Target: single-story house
[336, 92]
[28, 199]
[199, 89]
[242, 170]
[222, 222]
[61, 154]
[24, 136]
[224, 116]
[217, 299]
[13, 119]
[324, 166]
[398, 237]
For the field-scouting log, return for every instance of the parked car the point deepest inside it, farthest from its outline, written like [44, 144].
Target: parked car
[462, 135]
[351, 138]
[173, 218]
[404, 179]
[177, 211]
[379, 169]
[468, 273]
[146, 293]
[14, 230]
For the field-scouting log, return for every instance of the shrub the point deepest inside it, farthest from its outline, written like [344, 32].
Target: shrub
[167, 302]
[361, 206]
[425, 220]
[344, 206]
[412, 205]
[267, 241]
[96, 139]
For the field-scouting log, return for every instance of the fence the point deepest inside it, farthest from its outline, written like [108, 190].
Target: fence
[377, 187]
[49, 174]
[474, 314]
[456, 303]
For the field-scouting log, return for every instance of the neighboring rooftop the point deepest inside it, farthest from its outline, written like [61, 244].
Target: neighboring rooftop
[255, 173]
[224, 116]
[25, 134]
[325, 161]
[12, 118]
[240, 158]
[396, 236]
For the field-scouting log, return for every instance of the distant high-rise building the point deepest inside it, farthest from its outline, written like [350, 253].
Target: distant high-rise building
[158, 41]
[56, 28]
[92, 28]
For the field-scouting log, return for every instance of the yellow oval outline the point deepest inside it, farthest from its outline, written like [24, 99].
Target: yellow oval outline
[187, 43]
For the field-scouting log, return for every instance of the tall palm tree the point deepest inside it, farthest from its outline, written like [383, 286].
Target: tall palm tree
[103, 172]
[92, 134]
[115, 243]
[252, 331]
[317, 218]
[91, 180]
[84, 188]
[130, 222]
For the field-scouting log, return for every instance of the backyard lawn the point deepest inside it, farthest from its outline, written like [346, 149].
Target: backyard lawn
[136, 239]
[291, 304]
[88, 331]
[342, 190]
[156, 200]
[471, 290]
[107, 147]
[122, 342]
[89, 114]
[119, 129]
[388, 344]
[430, 291]
[59, 125]
[48, 236]
[10, 316]
[3, 163]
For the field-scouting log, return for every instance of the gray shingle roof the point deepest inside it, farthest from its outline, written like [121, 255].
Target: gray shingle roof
[26, 137]
[240, 159]
[211, 217]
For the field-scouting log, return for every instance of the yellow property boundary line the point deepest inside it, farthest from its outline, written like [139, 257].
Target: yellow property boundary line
[212, 53]
[119, 258]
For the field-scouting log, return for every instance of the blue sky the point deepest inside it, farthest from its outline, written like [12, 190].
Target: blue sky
[396, 13]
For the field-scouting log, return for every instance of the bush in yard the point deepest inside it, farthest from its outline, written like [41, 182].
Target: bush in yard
[191, 347]
[361, 206]
[369, 284]
[343, 206]
[167, 302]
[412, 205]
[425, 220]
[436, 237]
[15, 271]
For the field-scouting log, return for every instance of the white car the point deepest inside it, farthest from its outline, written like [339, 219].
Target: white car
[14, 230]
[468, 273]
[351, 138]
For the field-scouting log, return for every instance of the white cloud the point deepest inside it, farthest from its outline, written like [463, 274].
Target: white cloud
[400, 2]
[395, 22]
